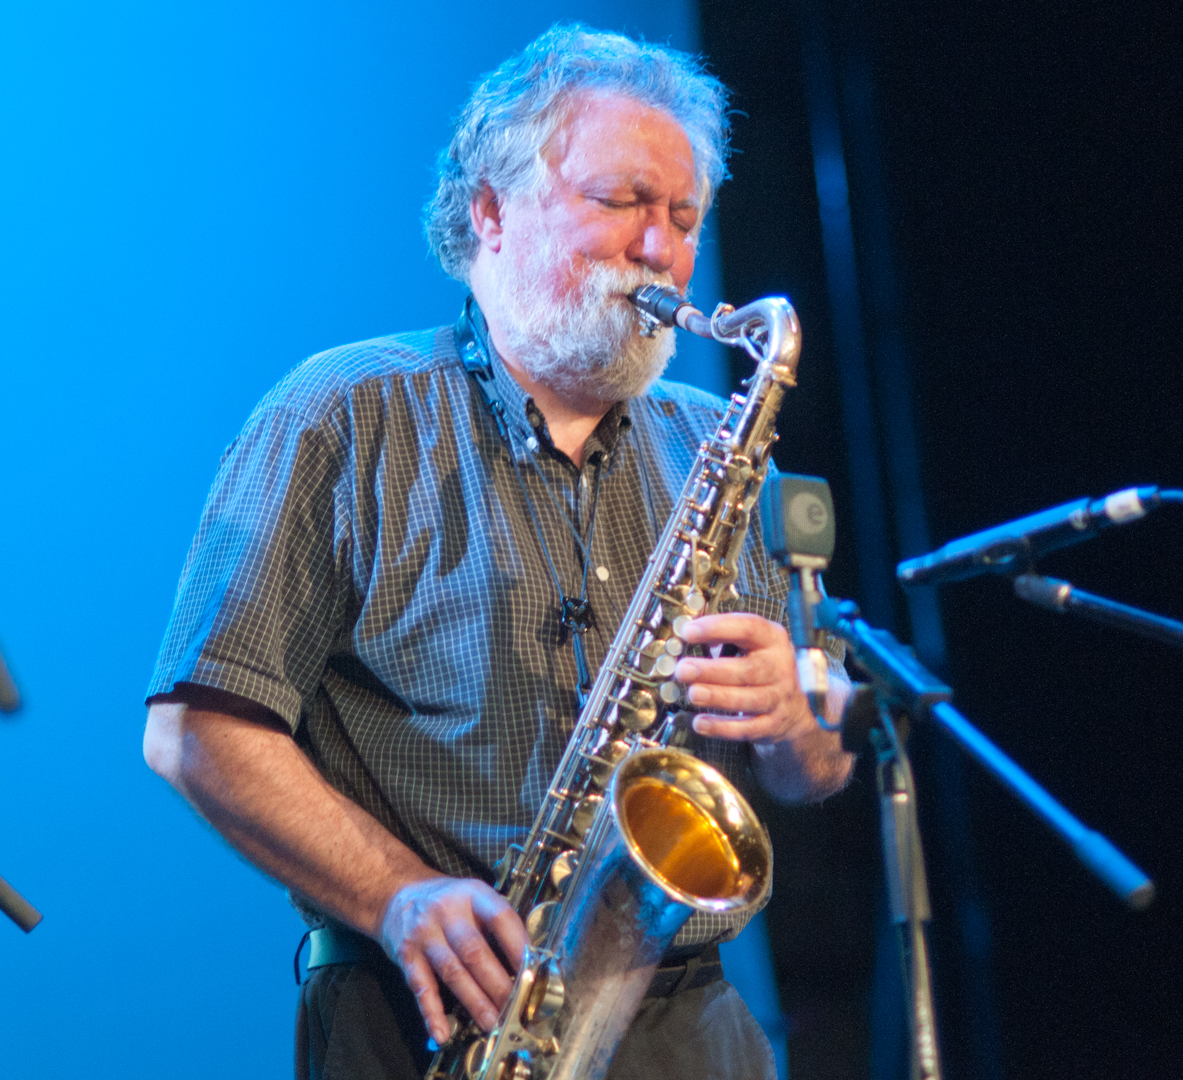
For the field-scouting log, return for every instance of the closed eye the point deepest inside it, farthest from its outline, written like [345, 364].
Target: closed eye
[684, 217]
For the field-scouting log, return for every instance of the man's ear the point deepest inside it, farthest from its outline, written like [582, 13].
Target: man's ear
[486, 217]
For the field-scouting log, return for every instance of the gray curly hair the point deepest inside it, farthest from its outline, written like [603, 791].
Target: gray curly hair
[500, 134]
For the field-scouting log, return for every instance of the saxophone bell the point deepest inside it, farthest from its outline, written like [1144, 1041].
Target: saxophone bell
[672, 837]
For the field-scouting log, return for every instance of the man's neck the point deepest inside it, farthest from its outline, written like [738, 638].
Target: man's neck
[571, 417]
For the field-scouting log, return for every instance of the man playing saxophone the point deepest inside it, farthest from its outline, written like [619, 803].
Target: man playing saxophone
[417, 551]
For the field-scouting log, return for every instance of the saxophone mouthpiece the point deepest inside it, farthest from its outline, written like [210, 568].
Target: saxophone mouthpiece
[663, 305]
[659, 302]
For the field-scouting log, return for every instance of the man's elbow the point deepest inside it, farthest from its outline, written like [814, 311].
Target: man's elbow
[163, 741]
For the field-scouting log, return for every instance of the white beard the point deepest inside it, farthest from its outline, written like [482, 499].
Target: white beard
[588, 342]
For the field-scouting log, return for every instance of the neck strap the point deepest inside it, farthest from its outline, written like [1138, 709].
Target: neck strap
[471, 332]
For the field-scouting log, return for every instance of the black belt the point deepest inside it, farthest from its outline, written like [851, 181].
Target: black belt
[693, 970]
[337, 945]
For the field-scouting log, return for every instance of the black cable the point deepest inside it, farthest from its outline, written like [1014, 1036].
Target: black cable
[563, 512]
[538, 528]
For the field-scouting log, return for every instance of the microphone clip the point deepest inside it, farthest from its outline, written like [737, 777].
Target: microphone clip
[797, 524]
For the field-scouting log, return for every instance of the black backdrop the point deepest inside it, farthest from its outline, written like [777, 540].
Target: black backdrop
[1033, 163]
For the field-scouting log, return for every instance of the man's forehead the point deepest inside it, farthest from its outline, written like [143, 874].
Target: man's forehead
[616, 136]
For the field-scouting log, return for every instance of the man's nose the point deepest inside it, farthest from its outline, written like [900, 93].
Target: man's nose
[656, 247]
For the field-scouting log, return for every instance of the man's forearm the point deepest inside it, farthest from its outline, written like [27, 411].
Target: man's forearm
[811, 765]
[805, 769]
[259, 790]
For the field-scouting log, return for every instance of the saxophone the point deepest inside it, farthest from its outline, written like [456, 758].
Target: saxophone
[634, 835]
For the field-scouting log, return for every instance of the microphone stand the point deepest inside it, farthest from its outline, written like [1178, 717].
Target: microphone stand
[15, 906]
[901, 684]
[903, 680]
[1063, 596]
[907, 885]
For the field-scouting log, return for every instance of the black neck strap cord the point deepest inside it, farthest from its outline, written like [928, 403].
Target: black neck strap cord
[575, 613]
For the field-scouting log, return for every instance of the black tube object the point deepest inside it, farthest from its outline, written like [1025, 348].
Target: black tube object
[1013, 547]
[10, 698]
[1062, 596]
[17, 908]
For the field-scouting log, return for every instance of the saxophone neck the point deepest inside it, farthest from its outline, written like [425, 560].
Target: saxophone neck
[767, 329]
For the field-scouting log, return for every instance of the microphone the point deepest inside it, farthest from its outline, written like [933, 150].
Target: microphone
[1012, 548]
[797, 523]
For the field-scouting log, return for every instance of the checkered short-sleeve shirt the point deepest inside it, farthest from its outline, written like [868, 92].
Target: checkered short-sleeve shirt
[366, 568]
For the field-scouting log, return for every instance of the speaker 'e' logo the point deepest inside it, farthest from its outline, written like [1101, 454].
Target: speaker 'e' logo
[808, 513]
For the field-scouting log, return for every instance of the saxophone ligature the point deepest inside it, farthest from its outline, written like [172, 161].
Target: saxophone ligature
[635, 835]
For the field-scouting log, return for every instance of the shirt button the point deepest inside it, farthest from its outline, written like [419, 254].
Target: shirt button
[602, 573]
[531, 444]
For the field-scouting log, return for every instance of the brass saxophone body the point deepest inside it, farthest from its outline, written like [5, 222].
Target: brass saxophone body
[635, 835]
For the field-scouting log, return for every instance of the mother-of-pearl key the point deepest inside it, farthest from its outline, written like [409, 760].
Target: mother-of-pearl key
[665, 664]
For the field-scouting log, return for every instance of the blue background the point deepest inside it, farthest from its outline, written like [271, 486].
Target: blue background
[193, 197]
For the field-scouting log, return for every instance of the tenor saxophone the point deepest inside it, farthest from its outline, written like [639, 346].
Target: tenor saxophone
[635, 835]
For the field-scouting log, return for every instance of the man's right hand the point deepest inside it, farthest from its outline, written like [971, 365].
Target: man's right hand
[260, 791]
[438, 927]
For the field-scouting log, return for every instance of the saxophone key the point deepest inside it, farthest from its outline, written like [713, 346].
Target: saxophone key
[561, 870]
[739, 469]
[541, 919]
[604, 760]
[504, 867]
[547, 994]
[702, 565]
[652, 648]
[670, 692]
[583, 815]
[637, 710]
[676, 601]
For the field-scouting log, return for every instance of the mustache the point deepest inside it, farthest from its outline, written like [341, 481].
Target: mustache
[609, 283]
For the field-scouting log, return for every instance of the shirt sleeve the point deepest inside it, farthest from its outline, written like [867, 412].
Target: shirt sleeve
[259, 604]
